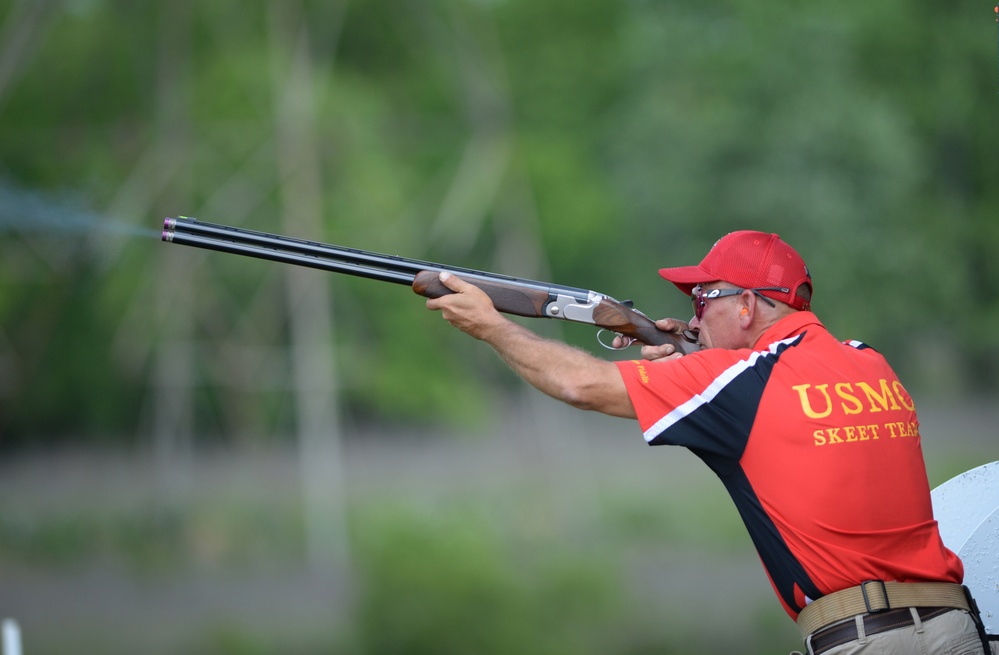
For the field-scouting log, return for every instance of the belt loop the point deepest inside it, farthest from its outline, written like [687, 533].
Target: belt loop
[861, 632]
[808, 645]
[917, 620]
[867, 599]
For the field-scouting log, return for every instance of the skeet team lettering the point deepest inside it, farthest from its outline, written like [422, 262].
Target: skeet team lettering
[873, 432]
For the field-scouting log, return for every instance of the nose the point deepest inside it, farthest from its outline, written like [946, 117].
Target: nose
[694, 323]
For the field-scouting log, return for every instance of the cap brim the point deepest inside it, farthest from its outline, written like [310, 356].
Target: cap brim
[687, 277]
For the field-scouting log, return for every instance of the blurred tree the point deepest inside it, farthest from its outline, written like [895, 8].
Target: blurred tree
[586, 142]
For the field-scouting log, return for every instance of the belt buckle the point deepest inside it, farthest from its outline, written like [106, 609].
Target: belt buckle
[867, 600]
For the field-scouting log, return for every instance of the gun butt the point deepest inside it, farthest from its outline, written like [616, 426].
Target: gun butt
[613, 315]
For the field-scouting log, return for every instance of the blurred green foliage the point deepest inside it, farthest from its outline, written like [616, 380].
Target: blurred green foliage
[455, 584]
[473, 570]
[583, 142]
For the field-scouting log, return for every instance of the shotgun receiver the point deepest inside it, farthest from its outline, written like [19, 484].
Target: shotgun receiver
[510, 295]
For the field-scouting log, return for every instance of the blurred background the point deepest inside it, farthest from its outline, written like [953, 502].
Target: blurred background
[202, 453]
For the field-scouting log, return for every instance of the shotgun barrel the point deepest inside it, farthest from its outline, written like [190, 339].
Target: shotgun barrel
[510, 295]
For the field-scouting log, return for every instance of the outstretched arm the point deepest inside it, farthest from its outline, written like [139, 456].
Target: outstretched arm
[561, 371]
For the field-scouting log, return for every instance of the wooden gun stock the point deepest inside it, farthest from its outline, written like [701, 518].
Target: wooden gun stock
[604, 312]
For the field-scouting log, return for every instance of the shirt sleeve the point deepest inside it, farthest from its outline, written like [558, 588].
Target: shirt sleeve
[663, 392]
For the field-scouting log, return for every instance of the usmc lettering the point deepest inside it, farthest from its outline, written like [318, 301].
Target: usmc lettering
[853, 398]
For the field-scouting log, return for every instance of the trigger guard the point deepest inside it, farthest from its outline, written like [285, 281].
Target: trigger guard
[608, 347]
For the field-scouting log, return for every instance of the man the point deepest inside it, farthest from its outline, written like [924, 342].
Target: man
[816, 441]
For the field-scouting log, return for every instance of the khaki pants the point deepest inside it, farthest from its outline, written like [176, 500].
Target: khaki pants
[953, 633]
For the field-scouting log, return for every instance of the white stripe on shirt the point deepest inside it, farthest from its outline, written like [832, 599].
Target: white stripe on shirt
[712, 390]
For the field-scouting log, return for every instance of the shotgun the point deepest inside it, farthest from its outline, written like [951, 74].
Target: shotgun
[510, 295]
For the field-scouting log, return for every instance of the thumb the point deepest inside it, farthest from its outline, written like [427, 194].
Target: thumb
[671, 325]
[453, 282]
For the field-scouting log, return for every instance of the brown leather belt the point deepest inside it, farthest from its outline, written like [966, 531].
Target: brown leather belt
[846, 632]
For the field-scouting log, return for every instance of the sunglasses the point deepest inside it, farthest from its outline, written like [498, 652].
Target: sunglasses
[700, 298]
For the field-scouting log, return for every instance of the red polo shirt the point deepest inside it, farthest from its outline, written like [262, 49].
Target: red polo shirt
[818, 444]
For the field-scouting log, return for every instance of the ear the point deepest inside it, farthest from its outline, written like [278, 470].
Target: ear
[748, 310]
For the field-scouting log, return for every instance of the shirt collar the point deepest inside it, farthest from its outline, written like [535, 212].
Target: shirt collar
[789, 326]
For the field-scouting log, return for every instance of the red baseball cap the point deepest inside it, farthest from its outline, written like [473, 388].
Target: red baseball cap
[750, 260]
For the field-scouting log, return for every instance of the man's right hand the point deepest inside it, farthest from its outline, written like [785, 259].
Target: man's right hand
[666, 350]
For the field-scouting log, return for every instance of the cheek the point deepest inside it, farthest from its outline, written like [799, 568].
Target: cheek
[714, 335]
